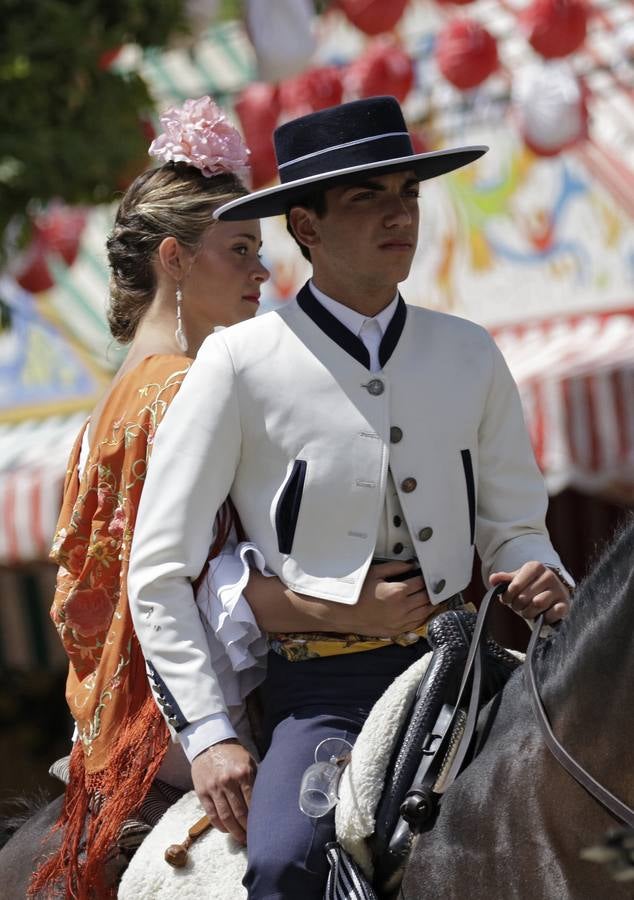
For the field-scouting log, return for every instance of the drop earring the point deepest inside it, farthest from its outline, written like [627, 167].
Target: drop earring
[179, 334]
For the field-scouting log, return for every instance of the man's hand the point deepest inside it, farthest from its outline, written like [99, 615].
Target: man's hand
[534, 589]
[384, 608]
[223, 776]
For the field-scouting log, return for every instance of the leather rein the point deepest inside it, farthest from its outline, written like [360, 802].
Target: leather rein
[471, 685]
[612, 804]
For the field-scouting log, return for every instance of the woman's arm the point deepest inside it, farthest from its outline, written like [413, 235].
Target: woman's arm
[384, 609]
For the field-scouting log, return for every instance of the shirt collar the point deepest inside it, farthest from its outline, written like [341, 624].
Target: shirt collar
[353, 320]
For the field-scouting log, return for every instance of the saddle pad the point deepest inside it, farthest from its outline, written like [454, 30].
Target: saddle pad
[133, 831]
[363, 778]
[215, 867]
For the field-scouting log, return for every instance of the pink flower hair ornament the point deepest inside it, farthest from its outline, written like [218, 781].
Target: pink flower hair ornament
[198, 133]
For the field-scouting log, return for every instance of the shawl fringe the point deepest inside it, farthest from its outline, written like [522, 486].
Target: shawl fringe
[97, 805]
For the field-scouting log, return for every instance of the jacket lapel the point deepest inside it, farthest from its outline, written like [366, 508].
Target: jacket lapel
[393, 332]
[342, 336]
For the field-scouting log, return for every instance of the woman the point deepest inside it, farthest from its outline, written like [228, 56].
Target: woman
[176, 275]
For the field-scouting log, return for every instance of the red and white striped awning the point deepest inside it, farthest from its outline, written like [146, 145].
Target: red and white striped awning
[33, 457]
[576, 379]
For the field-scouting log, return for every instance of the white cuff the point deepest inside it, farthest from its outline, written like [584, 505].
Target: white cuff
[205, 733]
[236, 643]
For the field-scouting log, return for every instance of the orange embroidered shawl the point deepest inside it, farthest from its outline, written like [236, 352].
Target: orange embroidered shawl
[122, 735]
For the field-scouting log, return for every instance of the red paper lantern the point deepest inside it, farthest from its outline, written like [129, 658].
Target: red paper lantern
[384, 68]
[107, 58]
[258, 108]
[454, 2]
[313, 90]
[555, 28]
[373, 16]
[55, 232]
[466, 53]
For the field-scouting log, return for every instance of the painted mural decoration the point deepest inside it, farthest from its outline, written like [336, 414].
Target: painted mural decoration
[43, 370]
[513, 237]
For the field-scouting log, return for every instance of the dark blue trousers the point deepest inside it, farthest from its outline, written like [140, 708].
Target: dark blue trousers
[305, 702]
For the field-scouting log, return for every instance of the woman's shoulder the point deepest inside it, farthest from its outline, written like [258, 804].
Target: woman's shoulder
[138, 400]
[157, 376]
[157, 369]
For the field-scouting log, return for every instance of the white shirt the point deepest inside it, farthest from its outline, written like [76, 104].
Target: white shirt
[370, 329]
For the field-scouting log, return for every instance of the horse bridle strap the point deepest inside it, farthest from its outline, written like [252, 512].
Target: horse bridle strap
[619, 810]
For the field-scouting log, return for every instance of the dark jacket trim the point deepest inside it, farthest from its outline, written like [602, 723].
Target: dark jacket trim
[165, 700]
[393, 332]
[341, 335]
[288, 505]
[468, 474]
[333, 327]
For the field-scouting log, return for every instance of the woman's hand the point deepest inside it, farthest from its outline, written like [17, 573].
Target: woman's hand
[223, 777]
[385, 608]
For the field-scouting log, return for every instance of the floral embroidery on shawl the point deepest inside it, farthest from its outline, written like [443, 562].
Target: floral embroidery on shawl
[122, 734]
[92, 546]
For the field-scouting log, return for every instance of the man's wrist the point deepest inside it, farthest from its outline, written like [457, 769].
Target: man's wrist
[201, 735]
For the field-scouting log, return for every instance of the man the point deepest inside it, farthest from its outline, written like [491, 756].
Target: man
[347, 426]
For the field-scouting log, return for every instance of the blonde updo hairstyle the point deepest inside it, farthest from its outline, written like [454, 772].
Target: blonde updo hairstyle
[174, 200]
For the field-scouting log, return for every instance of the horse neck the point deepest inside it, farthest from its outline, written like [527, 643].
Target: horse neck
[588, 669]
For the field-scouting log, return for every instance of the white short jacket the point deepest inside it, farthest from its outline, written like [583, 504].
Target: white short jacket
[282, 413]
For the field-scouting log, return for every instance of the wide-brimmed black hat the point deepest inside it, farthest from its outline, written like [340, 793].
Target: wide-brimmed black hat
[332, 146]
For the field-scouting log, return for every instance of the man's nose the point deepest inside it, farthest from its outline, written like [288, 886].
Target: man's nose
[398, 212]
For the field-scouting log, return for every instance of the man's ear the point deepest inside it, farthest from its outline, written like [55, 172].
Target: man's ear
[171, 258]
[303, 223]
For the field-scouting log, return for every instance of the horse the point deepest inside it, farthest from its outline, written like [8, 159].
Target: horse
[514, 823]
[29, 837]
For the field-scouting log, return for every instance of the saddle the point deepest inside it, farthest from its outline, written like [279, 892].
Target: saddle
[428, 752]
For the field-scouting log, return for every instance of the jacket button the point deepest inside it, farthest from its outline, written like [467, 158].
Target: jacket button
[408, 485]
[397, 521]
[425, 533]
[396, 434]
[397, 548]
[439, 586]
[375, 387]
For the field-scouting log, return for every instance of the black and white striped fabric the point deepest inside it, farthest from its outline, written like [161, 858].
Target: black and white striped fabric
[346, 881]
